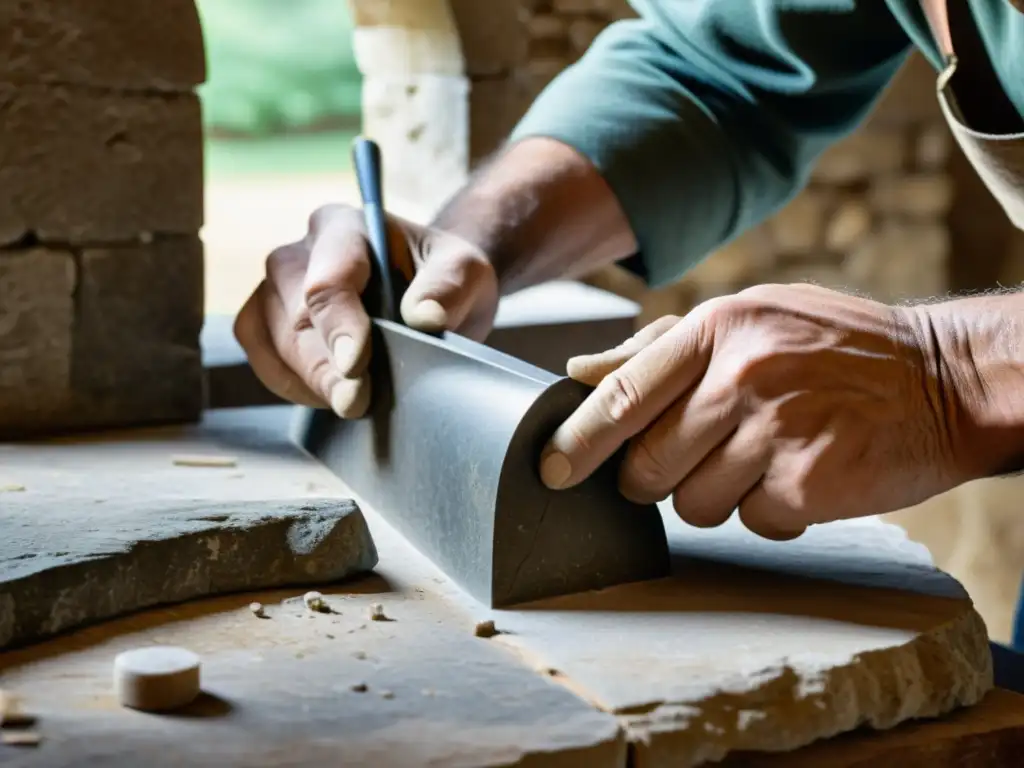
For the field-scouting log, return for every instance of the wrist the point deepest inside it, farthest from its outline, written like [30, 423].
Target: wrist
[977, 366]
[540, 211]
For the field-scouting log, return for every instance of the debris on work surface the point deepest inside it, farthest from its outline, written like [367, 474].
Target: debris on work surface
[11, 713]
[315, 602]
[486, 629]
[11, 488]
[156, 678]
[387, 695]
[360, 688]
[203, 460]
[257, 610]
[361, 655]
[377, 613]
[20, 738]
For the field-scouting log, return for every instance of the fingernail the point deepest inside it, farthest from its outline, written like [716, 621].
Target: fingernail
[344, 351]
[342, 395]
[428, 315]
[555, 470]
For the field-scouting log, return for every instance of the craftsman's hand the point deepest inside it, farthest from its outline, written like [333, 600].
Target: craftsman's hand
[795, 404]
[304, 328]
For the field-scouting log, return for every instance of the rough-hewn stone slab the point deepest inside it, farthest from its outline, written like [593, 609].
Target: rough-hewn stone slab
[87, 166]
[100, 337]
[114, 524]
[156, 44]
[59, 571]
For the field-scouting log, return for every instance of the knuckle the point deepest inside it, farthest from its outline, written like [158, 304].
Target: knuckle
[620, 398]
[647, 464]
[328, 215]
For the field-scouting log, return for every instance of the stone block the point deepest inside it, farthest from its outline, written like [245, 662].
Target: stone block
[864, 154]
[80, 165]
[421, 123]
[37, 290]
[902, 260]
[135, 351]
[798, 226]
[495, 106]
[152, 45]
[491, 35]
[848, 226]
[100, 338]
[920, 195]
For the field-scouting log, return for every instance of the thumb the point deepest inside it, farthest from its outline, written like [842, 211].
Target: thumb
[454, 291]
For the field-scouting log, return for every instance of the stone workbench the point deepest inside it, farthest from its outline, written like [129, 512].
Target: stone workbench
[739, 654]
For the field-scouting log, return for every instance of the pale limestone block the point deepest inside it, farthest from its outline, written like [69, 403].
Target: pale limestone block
[798, 226]
[920, 195]
[80, 165]
[421, 123]
[848, 226]
[406, 37]
[933, 147]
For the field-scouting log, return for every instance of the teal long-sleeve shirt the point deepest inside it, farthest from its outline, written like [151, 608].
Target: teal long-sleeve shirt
[706, 116]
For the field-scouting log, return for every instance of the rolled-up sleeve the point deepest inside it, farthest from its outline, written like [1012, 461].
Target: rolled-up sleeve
[706, 116]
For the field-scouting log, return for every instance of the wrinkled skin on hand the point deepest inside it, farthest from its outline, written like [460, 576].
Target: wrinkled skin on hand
[304, 328]
[791, 403]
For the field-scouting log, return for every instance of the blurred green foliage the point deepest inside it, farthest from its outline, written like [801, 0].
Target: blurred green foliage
[277, 66]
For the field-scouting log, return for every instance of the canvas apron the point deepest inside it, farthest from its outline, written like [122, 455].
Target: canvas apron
[985, 124]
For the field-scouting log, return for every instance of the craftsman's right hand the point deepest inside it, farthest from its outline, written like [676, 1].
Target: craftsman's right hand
[304, 328]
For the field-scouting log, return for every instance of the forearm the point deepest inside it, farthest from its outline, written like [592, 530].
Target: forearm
[541, 211]
[976, 345]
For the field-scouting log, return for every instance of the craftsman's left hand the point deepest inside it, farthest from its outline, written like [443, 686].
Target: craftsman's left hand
[793, 403]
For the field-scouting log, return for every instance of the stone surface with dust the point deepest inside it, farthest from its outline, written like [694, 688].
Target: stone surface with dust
[113, 526]
[750, 646]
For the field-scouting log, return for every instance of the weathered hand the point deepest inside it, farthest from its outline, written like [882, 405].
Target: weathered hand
[795, 404]
[304, 328]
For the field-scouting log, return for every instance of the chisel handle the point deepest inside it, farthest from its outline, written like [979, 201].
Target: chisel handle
[380, 297]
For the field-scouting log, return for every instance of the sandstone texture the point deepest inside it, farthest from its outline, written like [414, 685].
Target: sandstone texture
[100, 337]
[101, 167]
[124, 46]
[85, 167]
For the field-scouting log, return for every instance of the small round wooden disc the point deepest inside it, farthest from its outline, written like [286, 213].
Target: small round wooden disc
[156, 678]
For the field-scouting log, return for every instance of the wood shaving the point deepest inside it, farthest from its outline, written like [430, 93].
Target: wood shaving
[203, 460]
[257, 610]
[20, 738]
[360, 688]
[387, 695]
[11, 713]
[377, 613]
[11, 488]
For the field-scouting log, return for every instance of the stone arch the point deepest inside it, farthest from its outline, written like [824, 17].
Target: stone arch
[445, 81]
